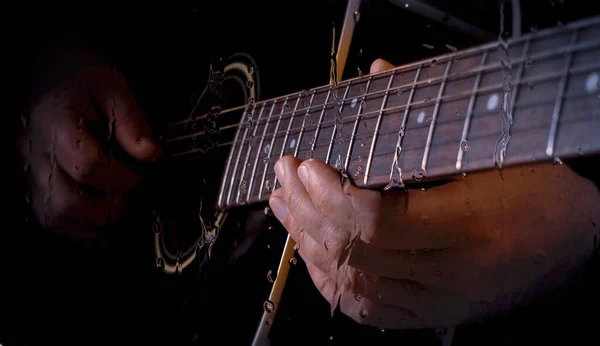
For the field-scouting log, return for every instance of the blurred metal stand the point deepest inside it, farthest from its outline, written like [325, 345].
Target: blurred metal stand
[270, 307]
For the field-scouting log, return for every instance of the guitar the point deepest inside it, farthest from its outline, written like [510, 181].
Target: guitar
[505, 103]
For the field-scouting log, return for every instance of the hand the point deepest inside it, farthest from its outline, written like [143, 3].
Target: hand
[440, 257]
[76, 185]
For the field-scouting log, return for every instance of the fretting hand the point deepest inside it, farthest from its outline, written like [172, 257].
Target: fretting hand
[440, 257]
[76, 186]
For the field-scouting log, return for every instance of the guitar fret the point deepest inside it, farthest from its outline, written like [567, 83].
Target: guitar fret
[559, 100]
[243, 174]
[398, 150]
[237, 161]
[287, 134]
[467, 125]
[301, 134]
[314, 143]
[335, 126]
[262, 139]
[262, 182]
[356, 122]
[436, 110]
[230, 157]
[377, 126]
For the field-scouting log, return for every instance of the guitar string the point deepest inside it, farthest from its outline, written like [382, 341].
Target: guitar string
[424, 104]
[576, 120]
[491, 136]
[548, 54]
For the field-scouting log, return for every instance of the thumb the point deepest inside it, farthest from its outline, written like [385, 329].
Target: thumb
[380, 65]
[125, 116]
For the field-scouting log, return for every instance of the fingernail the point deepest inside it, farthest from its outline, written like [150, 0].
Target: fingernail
[303, 174]
[279, 208]
[279, 171]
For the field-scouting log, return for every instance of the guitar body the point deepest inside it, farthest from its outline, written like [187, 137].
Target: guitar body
[185, 218]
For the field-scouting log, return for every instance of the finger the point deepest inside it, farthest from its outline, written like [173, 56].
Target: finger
[322, 282]
[59, 205]
[326, 192]
[439, 268]
[122, 110]
[308, 248]
[299, 204]
[380, 65]
[81, 157]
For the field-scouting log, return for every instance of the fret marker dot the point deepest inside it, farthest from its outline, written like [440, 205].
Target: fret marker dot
[492, 102]
[591, 83]
[353, 104]
[421, 117]
[293, 143]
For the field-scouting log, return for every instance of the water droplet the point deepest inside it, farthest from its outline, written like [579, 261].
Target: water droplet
[243, 187]
[269, 306]
[465, 145]
[451, 48]
[250, 100]
[528, 62]
[400, 91]
[251, 70]
[539, 257]
[293, 261]
[530, 84]
[428, 46]
[286, 105]
[359, 169]
[307, 119]
[382, 330]
[306, 104]
[358, 297]
[331, 338]
[363, 313]
[252, 141]
[268, 211]
[401, 132]
[311, 154]
[434, 62]
[360, 159]
[362, 144]
[296, 247]
[269, 278]
[458, 112]
[428, 99]
[266, 160]
[250, 84]
[413, 253]
[419, 174]
[360, 273]
[557, 160]
[425, 219]
[160, 263]
[356, 16]
[268, 185]
[155, 227]
[363, 104]
[464, 174]
[269, 322]
[304, 93]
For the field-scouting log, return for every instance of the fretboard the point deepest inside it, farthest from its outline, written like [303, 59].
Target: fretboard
[432, 118]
